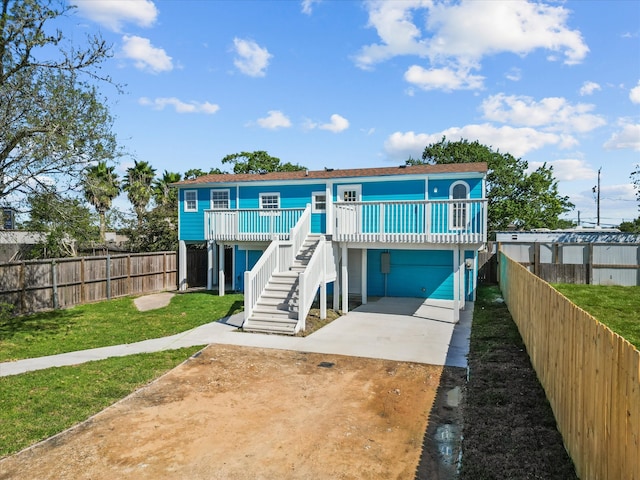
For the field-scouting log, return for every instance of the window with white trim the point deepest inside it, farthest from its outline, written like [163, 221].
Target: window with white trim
[459, 191]
[269, 200]
[190, 200]
[318, 202]
[219, 199]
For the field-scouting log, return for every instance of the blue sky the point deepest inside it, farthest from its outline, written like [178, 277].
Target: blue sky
[347, 84]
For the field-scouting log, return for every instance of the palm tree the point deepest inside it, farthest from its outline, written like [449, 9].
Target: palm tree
[163, 194]
[101, 185]
[138, 185]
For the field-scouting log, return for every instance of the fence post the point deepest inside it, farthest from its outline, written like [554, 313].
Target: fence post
[82, 294]
[23, 289]
[54, 281]
[108, 277]
[590, 265]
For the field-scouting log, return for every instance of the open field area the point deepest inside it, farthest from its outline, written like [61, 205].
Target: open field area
[239, 413]
[617, 307]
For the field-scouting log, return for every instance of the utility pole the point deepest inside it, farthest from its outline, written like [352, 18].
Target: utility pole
[596, 190]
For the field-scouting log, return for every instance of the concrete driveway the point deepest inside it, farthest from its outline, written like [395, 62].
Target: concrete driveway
[403, 329]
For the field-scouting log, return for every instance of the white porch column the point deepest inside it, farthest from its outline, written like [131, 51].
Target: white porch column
[233, 269]
[221, 283]
[182, 265]
[363, 276]
[323, 300]
[210, 259]
[345, 279]
[329, 209]
[456, 283]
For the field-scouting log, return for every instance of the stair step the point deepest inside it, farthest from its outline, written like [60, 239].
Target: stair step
[274, 301]
[260, 328]
[280, 290]
[273, 314]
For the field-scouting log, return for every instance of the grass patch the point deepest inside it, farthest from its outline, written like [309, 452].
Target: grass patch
[37, 405]
[113, 322]
[615, 306]
[509, 427]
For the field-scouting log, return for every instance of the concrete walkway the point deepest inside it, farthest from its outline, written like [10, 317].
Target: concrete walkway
[401, 329]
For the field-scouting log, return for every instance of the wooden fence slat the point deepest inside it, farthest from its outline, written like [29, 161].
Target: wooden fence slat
[590, 374]
[38, 285]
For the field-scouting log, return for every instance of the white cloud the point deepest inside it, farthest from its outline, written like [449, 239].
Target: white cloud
[307, 6]
[393, 22]
[588, 88]
[552, 113]
[515, 75]
[179, 105]
[634, 94]
[338, 124]
[568, 169]
[252, 59]
[146, 56]
[627, 138]
[114, 13]
[516, 141]
[468, 31]
[276, 119]
[445, 79]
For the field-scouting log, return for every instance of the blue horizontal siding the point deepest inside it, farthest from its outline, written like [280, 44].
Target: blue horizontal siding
[421, 273]
[291, 196]
[192, 223]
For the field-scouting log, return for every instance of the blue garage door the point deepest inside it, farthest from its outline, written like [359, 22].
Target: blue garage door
[424, 274]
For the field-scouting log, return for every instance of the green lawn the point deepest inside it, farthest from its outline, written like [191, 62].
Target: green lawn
[615, 306]
[107, 323]
[37, 405]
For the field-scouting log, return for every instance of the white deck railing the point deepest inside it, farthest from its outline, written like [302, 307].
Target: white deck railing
[309, 281]
[298, 234]
[257, 278]
[250, 224]
[420, 221]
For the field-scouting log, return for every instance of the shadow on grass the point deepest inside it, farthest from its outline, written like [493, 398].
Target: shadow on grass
[45, 322]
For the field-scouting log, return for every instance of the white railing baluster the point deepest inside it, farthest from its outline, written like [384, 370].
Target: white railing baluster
[416, 221]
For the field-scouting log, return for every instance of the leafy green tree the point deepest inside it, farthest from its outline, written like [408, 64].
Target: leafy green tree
[630, 227]
[67, 223]
[163, 193]
[158, 231]
[194, 173]
[515, 197]
[138, 185]
[52, 118]
[101, 185]
[258, 162]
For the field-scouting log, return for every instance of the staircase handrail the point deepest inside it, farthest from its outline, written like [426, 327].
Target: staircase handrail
[298, 234]
[256, 279]
[309, 281]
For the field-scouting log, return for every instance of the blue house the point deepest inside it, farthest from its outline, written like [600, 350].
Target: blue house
[283, 238]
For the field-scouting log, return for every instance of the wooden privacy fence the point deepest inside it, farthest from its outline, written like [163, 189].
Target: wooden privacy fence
[589, 373]
[38, 285]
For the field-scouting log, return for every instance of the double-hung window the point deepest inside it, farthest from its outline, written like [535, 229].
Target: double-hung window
[319, 202]
[269, 201]
[219, 199]
[190, 200]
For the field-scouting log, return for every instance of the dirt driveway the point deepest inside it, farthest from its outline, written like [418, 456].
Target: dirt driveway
[249, 413]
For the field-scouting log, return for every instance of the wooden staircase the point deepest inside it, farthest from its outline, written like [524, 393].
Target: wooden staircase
[277, 308]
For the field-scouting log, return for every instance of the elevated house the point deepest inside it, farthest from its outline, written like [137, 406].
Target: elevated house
[283, 238]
